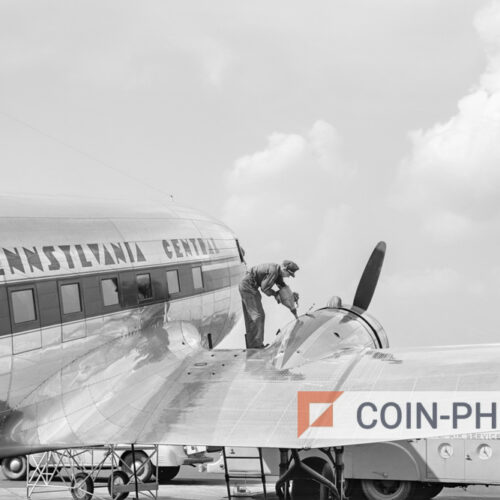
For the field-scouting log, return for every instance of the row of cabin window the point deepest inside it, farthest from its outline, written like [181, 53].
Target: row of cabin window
[23, 301]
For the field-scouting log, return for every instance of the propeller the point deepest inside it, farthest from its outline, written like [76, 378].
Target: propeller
[369, 278]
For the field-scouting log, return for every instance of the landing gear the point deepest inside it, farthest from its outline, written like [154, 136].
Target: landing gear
[312, 478]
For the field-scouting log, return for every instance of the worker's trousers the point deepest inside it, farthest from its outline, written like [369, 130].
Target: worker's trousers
[254, 315]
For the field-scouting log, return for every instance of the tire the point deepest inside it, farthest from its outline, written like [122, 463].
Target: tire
[82, 487]
[117, 478]
[308, 489]
[375, 489]
[15, 468]
[426, 491]
[143, 465]
[166, 474]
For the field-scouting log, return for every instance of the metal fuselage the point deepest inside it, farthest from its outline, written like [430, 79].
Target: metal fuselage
[73, 284]
[106, 320]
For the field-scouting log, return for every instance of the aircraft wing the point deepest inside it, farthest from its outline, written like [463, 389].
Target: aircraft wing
[136, 390]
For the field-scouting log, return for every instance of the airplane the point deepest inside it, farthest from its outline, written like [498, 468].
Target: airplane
[109, 320]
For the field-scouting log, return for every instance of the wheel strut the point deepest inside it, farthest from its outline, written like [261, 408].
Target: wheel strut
[298, 469]
[339, 471]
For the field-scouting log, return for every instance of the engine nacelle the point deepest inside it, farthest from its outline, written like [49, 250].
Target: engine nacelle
[316, 335]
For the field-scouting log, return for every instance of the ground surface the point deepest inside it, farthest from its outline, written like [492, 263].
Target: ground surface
[191, 485]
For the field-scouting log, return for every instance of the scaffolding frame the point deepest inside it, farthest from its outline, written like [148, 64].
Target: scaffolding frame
[59, 465]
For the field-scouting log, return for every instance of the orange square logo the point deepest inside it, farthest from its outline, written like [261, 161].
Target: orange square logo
[321, 404]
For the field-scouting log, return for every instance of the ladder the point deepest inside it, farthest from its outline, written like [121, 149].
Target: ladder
[242, 474]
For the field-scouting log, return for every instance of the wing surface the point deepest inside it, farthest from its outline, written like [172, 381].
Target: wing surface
[136, 390]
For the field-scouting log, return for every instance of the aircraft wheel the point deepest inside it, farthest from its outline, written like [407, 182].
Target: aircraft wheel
[15, 468]
[375, 489]
[166, 474]
[117, 478]
[82, 487]
[308, 489]
[143, 465]
[426, 491]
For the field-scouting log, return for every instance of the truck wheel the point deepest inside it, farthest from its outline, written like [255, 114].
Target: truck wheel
[117, 478]
[426, 491]
[82, 487]
[14, 468]
[166, 474]
[143, 465]
[375, 489]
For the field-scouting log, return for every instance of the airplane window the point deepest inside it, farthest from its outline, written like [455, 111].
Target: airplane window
[70, 298]
[109, 289]
[197, 278]
[23, 306]
[173, 281]
[144, 288]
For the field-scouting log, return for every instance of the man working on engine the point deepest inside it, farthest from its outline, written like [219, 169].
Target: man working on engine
[264, 276]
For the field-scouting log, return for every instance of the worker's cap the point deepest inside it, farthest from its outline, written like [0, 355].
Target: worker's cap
[291, 267]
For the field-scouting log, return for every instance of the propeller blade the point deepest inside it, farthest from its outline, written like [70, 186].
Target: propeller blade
[368, 281]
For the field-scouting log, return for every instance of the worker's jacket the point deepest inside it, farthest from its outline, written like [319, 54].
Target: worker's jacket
[265, 276]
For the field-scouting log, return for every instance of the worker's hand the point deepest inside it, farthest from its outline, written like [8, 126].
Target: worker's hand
[278, 299]
[295, 297]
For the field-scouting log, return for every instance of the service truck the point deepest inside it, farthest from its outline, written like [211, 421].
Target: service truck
[398, 470]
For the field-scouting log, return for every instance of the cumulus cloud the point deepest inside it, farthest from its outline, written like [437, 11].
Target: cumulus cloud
[283, 154]
[452, 174]
[289, 200]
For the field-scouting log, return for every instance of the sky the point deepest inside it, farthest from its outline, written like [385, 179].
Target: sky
[314, 130]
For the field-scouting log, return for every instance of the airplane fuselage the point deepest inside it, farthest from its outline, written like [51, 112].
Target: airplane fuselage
[71, 285]
[107, 317]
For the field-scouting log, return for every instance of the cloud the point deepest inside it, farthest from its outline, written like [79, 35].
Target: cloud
[325, 144]
[452, 175]
[291, 200]
[282, 154]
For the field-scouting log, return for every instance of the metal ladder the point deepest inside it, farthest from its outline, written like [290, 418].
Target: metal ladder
[242, 475]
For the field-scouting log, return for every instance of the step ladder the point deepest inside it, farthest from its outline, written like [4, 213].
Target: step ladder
[230, 455]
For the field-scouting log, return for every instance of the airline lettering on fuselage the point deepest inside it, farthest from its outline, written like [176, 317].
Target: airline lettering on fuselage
[35, 259]
[189, 247]
[55, 257]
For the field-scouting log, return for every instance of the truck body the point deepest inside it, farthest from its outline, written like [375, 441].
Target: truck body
[398, 469]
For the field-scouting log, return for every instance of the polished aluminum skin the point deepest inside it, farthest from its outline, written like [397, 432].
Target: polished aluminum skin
[147, 375]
